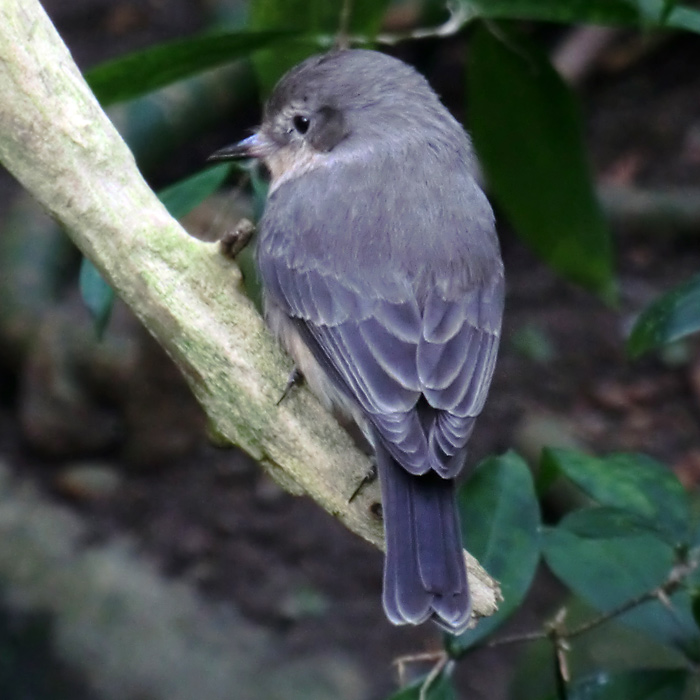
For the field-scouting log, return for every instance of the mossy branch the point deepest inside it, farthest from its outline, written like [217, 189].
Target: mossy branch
[58, 143]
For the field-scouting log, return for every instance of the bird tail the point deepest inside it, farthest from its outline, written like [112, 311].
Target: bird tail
[424, 572]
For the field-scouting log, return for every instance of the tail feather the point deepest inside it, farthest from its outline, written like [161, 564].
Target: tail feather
[424, 572]
[404, 595]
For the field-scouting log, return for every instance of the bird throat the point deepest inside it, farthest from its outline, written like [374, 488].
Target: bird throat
[288, 163]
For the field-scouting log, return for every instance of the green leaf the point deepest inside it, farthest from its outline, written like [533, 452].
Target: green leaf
[97, 295]
[144, 71]
[442, 688]
[179, 199]
[669, 6]
[673, 316]
[261, 188]
[527, 132]
[641, 13]
[609, 648]
[609, 572]
[630, 482]
[320, 18]
[647, 684]
[604, 522]
[500, 519]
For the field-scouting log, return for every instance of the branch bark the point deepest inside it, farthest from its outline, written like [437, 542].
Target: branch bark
[60, 145]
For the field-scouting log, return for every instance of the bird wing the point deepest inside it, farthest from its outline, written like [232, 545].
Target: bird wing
[386, 352]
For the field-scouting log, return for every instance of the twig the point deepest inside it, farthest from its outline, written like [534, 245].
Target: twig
[440, 659]
[555, 630]
[460, 16]
[675, 210]
[434, 674]
[561, 652]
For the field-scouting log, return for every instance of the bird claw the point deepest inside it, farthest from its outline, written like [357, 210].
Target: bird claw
[368, 478]
[296, 378]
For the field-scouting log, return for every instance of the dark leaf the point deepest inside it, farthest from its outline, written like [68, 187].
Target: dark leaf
[179, 199]
[144, 71]
[647, 684]
[97, 295]
[320, 18]
[441, 688]
[607, 573]
[669, 6]
[260, 189]
[604, 523]
[640, 13]
[631, 482]
[500, 519]
[695, 605]
[671, 317]
[527, 132]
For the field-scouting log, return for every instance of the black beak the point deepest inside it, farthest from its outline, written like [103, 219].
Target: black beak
[255, 146]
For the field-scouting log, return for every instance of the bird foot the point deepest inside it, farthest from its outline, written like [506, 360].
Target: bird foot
[233, 242]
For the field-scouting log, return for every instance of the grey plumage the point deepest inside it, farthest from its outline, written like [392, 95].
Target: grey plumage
[383, 278]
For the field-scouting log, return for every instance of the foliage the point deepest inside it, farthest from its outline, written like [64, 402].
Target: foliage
[526, 129]
[673, 316]
[631, 551]
[144, 71]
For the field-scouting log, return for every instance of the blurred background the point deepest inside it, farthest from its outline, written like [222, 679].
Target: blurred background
[137, 559]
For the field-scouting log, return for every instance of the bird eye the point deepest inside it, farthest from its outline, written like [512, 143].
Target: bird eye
[301, 123]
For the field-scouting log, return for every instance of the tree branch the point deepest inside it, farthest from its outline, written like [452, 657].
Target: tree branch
[59, 144]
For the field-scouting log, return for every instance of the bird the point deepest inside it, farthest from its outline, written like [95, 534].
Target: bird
[383, 279]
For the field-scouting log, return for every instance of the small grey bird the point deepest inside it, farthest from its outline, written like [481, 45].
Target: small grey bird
[383, 279]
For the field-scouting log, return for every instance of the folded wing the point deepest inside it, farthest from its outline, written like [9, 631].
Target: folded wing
[419, 372]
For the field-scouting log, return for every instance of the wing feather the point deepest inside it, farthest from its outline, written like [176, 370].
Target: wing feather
[387, 353]
[440, 365]
[396, 356]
